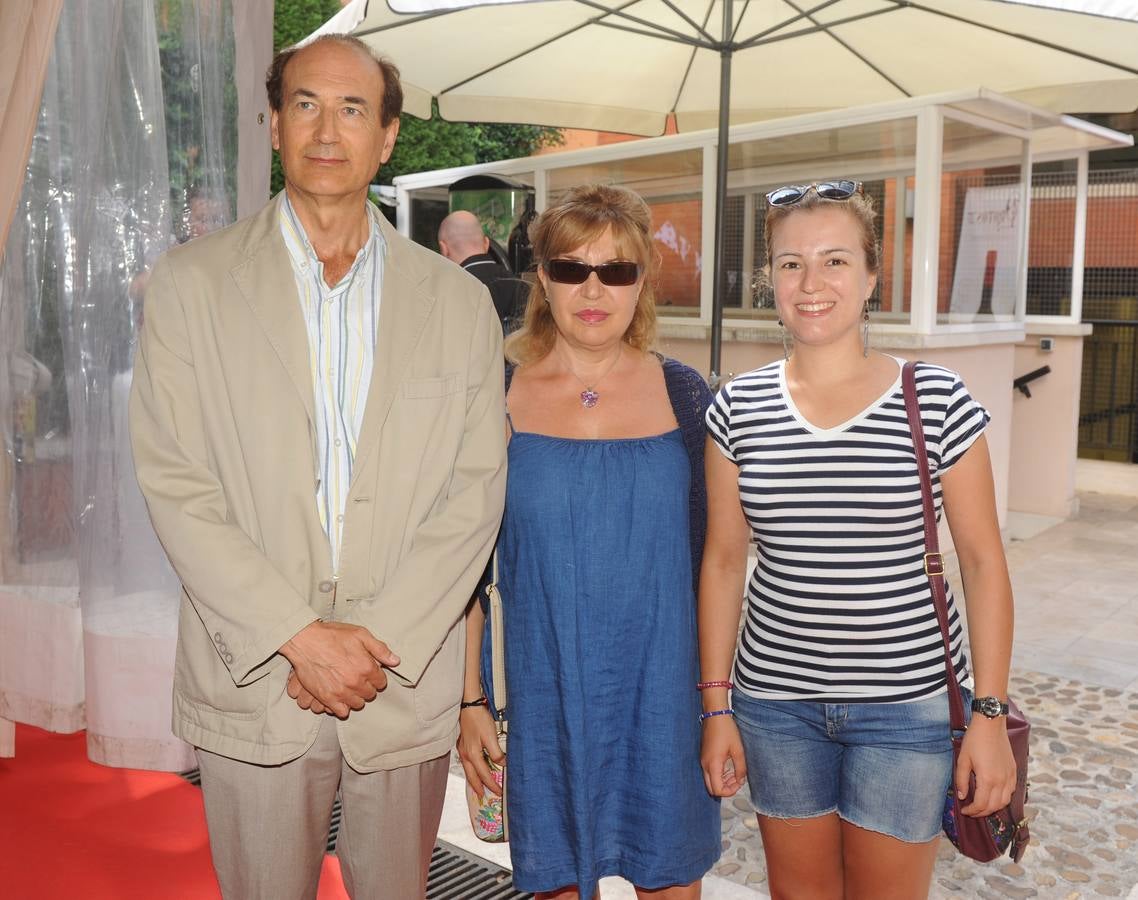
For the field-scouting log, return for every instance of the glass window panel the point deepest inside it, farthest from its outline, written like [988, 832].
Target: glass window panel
[981, 225]
[1052, 240]
[876, 153]
[749, 293]
[671, 184]
[829, 152]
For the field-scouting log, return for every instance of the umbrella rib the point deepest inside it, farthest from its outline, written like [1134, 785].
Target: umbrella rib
[864, 59]
[762, 38]
[1023, 37]
[691, 61]
[739, 21]
[407, 20]
[654, 29]
[702, 29]
[755, 38]
[595, 20]
[664, 34]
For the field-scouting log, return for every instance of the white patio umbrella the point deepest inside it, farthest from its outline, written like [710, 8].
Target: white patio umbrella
[626, 65]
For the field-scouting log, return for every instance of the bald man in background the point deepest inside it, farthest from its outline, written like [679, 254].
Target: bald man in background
[462, 240]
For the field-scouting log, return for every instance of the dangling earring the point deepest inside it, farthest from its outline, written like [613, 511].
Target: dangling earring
[785, 340]
[865, 331]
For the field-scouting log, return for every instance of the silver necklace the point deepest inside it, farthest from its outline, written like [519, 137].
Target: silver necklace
[590, 396]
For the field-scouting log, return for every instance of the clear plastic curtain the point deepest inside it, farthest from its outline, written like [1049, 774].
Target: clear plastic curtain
[88, 607]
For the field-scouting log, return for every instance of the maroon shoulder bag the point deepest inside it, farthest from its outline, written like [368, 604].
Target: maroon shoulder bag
[988, 837]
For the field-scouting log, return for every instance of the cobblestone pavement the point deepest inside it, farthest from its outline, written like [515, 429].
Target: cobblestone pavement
[1083, 805]
[1077, 602]
[1075, 674]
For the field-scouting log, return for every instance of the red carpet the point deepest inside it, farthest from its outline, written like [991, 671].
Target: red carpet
[73, 829]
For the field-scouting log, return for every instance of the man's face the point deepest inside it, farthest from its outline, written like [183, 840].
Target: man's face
[328, 129]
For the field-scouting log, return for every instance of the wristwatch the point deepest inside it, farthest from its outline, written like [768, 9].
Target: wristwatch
[990, 707]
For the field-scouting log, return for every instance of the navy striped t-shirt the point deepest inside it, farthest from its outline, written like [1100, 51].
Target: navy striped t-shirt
[839, 607]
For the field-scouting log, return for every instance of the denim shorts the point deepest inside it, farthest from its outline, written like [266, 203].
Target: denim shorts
[884, 767]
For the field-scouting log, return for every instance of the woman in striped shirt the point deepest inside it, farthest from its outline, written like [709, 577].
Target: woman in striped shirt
[839, 695]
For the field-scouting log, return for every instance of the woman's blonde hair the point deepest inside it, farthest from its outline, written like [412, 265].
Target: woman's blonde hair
[582, 216]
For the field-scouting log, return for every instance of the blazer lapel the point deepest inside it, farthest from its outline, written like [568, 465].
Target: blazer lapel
[403, 313]
[266, 281]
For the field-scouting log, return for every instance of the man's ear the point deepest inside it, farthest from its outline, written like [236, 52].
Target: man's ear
[389, 140]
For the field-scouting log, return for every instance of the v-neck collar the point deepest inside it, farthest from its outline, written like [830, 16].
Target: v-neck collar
[856, 419]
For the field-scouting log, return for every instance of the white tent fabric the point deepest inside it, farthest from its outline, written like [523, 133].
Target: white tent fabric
[88, 603]
[623, 66]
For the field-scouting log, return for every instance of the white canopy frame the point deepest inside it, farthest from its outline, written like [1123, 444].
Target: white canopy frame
[1040, 135]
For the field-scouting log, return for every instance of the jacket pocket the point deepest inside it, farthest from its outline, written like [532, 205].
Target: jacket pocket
[429, 388]
[202, 680]
[439, 691]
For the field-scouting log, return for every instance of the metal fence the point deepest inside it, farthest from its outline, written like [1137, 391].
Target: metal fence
[1108, 424]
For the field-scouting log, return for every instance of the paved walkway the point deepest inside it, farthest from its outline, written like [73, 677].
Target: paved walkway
[1075, 674]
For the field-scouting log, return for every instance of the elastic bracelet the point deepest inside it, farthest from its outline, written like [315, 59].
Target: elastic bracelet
[703, 717]
[481, 701]
[704, 685]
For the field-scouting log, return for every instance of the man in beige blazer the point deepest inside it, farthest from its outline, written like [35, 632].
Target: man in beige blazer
[319, 643]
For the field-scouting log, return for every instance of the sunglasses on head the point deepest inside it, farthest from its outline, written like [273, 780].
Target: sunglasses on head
[572, 271]
[827, 190]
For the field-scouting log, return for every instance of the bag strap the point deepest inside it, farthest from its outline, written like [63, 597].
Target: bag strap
[934, 561]
[497, 643]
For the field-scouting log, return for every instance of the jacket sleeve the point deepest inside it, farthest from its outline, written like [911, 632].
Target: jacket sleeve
[249, 609]
[426, 594]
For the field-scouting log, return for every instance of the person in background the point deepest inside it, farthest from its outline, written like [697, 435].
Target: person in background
[840, 712]
[597, 556]
[462, 240]
[204, 212]
[293, 369]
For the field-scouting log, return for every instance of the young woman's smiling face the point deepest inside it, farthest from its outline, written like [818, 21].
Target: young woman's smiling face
[820, 276]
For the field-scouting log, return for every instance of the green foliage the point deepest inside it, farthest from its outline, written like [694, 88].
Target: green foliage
[186, 107]
[423, 144]
[293, 20]
[435, 143]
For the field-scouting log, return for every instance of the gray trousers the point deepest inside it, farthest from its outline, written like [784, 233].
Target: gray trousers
[268, 825]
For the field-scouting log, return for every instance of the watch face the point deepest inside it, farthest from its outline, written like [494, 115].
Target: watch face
[988, 706]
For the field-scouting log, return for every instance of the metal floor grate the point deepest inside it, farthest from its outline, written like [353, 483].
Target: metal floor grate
[458, 875]
[454, 874]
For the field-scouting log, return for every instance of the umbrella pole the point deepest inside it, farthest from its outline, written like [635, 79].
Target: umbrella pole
[719, 275]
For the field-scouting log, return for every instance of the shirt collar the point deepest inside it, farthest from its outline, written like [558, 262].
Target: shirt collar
[301, 250]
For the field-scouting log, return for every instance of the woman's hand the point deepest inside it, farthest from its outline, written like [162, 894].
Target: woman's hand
[724, 766]
[476, 734]
[987, 752]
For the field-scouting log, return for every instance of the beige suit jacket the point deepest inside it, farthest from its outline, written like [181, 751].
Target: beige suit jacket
[224, 448]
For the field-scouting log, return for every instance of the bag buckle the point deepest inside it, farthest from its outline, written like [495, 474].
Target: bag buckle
[934, 564]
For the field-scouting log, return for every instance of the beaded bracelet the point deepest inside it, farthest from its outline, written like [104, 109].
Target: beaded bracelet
[467, 704]
[703, 717]
[704, 685]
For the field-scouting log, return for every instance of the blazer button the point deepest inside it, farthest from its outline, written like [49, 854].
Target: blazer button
[229, 658]
[325, 587]
[217, 637]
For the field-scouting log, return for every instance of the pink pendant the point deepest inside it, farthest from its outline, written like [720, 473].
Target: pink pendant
[589, 398]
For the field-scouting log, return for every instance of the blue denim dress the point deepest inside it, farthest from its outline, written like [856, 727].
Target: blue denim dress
[601, 663]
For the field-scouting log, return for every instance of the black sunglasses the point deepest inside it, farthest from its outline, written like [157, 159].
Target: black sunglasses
[827, 190]
[572, 271]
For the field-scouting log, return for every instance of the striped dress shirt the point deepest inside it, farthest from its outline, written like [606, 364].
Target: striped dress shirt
[341, 322]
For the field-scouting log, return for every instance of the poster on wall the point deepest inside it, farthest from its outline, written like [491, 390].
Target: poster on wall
[987, 257]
